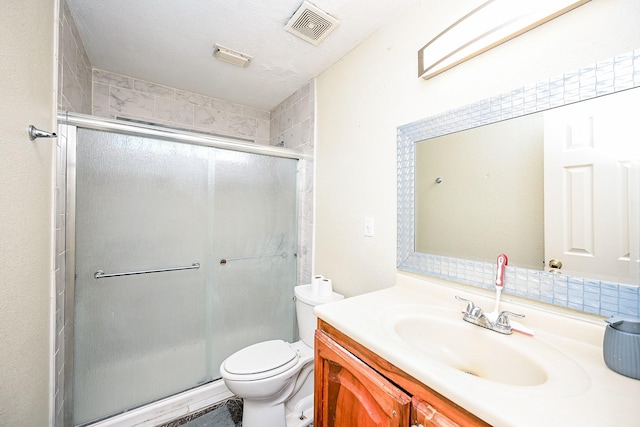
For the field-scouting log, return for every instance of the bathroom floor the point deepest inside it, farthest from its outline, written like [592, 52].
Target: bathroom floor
[225, 414]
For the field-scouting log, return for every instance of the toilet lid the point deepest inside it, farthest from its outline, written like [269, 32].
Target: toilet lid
[261, 357]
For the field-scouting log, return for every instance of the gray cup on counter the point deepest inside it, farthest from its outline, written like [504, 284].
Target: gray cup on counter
[621, 347]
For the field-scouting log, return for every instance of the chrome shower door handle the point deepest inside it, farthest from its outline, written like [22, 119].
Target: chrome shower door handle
[101, 274]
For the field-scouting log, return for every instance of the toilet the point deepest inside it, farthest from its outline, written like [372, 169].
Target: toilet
[275, 378]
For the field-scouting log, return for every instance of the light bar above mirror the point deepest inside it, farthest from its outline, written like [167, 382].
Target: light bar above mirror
[491, 23]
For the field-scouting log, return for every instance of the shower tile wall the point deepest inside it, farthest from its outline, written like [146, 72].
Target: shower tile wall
[101, 93]
[116, 95]
[292, 126]
[74, 94]
[74, 68]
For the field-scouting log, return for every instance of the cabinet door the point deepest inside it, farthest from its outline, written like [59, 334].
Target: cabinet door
[425, 415]
[348, 393]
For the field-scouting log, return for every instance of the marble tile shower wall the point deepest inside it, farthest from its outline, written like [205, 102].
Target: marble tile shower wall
[292, 121]
[292, 126]
[74, 94]
[74, 68]
[120, 96]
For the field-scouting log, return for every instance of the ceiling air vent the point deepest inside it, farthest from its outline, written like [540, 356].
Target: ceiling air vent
[311, 24]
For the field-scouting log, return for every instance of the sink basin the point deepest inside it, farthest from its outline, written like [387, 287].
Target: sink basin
[470, 349]
[440, 337]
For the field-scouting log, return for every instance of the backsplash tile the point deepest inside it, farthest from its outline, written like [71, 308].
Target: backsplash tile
[593, 296]
[629, 299]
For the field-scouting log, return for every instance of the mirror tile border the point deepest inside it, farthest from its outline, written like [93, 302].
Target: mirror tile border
[604, 298]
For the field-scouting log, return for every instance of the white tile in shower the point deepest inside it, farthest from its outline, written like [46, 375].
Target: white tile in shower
[240, 125]
[173, 111]
[126, 101]
[210, 118]
[112, 79]
[154, 89]
[193, 98]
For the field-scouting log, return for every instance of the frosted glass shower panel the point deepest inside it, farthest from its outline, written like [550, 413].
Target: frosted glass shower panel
[255, 231]
[145, 204]
[142, 204]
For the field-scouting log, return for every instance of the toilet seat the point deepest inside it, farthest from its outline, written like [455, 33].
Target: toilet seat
[262, 360]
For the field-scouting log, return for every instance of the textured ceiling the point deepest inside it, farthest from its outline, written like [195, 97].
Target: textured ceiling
[170, 42]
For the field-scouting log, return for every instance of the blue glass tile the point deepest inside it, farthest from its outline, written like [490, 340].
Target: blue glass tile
[608, 288]
[592, 286]
[575, 306]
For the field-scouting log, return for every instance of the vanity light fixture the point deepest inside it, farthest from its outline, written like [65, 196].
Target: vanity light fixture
[231, 56]
[491, 23]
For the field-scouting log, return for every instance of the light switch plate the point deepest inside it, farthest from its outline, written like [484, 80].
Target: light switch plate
[368, 226]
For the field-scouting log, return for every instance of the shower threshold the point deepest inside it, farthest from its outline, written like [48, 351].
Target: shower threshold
[171, 408]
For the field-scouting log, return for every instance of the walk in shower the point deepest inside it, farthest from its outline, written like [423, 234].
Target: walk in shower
[181, 250]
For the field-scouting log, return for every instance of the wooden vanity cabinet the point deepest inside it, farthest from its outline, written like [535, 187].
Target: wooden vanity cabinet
[350, 393]
[356, 388]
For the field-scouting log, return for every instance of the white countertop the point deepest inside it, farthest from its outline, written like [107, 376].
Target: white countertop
[580, 390]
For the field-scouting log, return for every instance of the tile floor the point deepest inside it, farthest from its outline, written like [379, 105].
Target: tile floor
[224, 414]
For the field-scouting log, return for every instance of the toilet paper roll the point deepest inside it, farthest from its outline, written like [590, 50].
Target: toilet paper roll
[326, 288]
[315, 284]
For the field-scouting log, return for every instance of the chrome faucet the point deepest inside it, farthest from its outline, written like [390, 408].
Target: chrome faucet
[474, 314]
[496, 320]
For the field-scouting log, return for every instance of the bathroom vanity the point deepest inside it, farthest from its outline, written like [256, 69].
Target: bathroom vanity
[355, 387]
[403, 356]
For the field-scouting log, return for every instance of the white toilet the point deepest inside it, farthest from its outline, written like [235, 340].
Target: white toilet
[275, 378]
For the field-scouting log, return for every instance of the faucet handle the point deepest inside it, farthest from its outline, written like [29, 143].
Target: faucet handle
[472, 310]
[470, 304]
[502, 322]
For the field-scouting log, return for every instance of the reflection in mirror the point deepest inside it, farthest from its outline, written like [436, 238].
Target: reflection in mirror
[489, 200]
[490, 195]
[453, 255]
[592, 186]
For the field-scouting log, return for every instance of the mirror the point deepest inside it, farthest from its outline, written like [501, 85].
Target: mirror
[464, 247]
[479, 192]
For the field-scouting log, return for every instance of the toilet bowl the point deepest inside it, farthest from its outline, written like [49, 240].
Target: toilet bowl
[275, 378]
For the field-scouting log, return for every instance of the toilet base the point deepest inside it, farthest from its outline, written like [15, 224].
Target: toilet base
[261, 414]
[256, 414]
[302, 414]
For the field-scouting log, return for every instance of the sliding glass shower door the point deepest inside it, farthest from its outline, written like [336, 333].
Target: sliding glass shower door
[183, 255]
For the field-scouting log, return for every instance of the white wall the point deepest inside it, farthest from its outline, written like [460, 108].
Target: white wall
[27, 88]
[363, 98]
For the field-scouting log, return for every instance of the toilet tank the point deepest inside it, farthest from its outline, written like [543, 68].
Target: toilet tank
[305, 302]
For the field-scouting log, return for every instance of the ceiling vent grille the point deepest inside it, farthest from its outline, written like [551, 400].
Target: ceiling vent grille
[311, 24]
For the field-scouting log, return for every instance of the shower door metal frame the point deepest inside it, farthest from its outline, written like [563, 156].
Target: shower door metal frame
[73, 121]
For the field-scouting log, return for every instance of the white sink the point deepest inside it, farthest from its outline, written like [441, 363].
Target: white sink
[470, 349]
[442, 339]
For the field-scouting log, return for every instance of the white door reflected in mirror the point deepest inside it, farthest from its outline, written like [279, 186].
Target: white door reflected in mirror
[591, 187]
